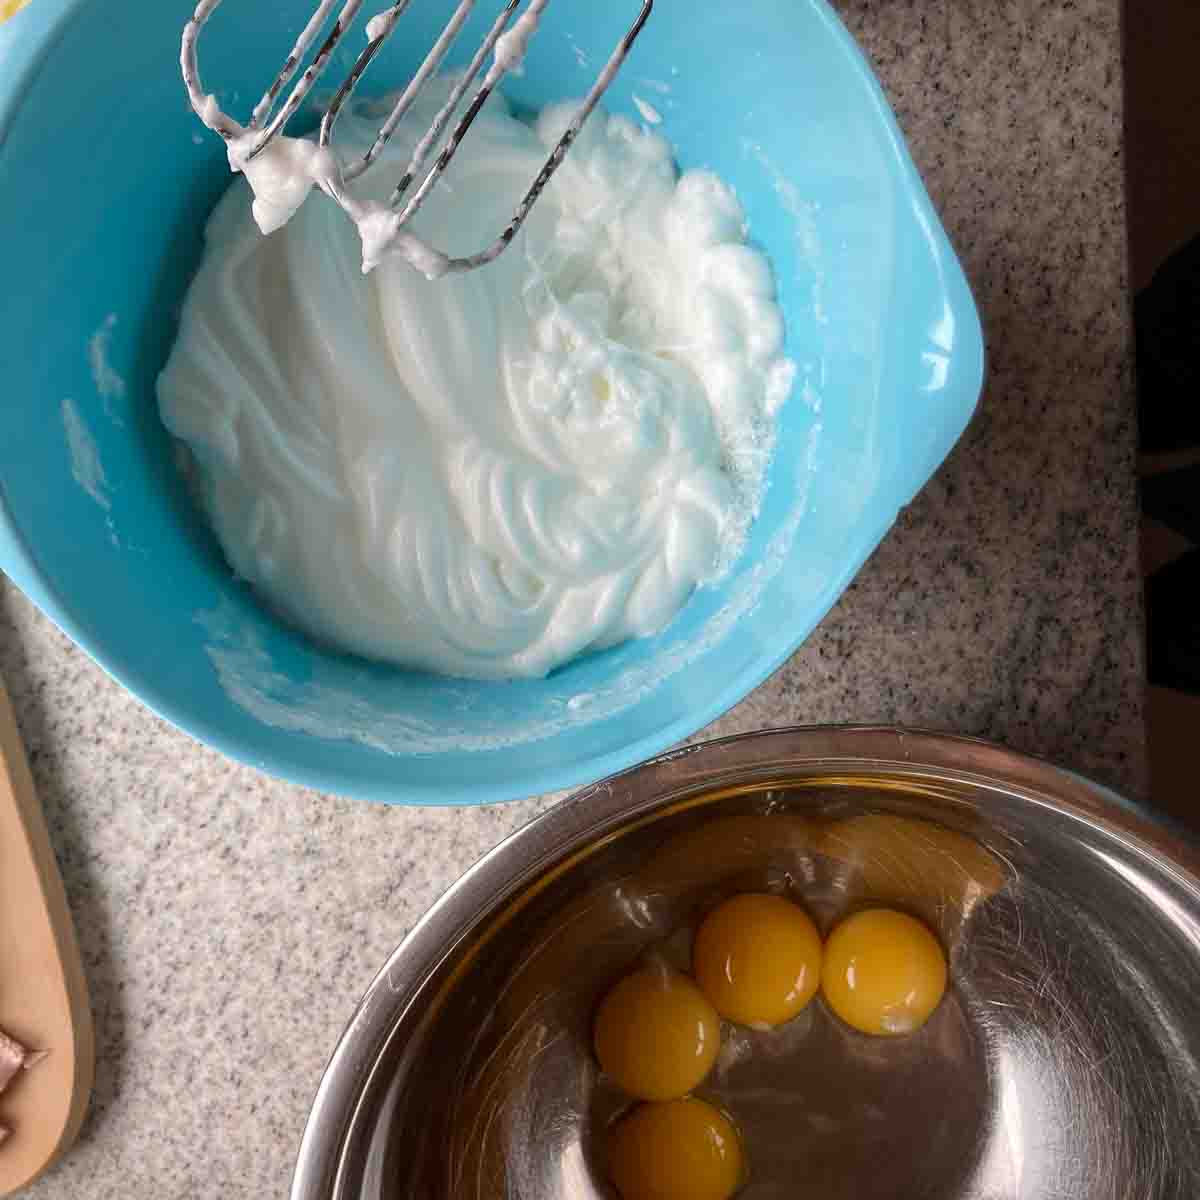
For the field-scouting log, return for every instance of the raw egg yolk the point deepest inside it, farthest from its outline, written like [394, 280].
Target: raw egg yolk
[680, 1150]
[758, 959]
[884, 972]
[656, 1035]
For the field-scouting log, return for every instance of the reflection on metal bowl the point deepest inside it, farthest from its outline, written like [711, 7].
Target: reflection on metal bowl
[1063, 1063]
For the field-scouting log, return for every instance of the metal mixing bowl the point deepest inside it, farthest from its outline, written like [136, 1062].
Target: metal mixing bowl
[1064, 1062]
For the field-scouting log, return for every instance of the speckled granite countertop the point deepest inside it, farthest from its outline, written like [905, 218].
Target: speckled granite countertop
[229, 922]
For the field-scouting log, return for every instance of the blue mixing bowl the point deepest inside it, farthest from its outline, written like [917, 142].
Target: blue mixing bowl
[105, 181]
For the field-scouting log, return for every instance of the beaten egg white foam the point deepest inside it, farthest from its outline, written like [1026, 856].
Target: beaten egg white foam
[489, 473]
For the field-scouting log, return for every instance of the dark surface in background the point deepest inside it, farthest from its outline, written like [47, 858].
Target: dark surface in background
[1163, 157]
[1167, 330]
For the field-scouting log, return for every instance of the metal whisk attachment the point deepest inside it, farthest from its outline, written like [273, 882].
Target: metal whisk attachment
[505, 43]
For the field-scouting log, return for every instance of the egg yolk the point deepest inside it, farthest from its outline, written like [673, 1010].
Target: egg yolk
[680, 1150]
[656, 1035]
[758, 959]
[883, 972]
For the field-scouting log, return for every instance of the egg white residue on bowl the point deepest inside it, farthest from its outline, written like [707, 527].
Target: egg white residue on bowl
[803, 214]
[649, 113]
[490, 474]
[86, 467]
[110, 384]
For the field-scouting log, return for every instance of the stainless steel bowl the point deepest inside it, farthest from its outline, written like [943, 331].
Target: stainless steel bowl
[1064, 1062]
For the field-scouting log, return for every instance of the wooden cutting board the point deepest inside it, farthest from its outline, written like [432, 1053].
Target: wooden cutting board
[43, 993]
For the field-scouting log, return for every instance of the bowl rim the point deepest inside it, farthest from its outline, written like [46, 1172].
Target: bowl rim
[585, 818]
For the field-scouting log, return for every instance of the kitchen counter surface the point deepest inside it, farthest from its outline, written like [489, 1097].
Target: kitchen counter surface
[229, 921]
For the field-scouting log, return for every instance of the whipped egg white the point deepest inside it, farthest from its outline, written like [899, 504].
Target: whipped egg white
[488, 473]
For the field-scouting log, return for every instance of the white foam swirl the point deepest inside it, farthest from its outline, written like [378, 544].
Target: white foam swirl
[491, 473]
